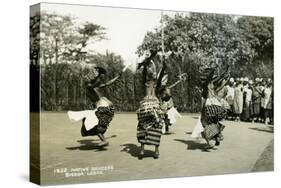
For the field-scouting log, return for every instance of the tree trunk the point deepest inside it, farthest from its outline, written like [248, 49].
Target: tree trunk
[55, 73]
[66, 95]
[74, 94]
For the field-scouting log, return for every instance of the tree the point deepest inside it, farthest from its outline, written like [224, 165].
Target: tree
[258, 33]
[56, 40]
[196, 40]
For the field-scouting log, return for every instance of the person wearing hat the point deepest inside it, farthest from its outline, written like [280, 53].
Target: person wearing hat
[96, 122]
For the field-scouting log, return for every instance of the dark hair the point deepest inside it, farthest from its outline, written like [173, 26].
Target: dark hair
[152, 53]
[148, 59]
[101, 70]
[205, 93]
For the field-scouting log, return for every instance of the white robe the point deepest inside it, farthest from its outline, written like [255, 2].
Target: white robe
[198, 129]
[90, 115]
[172, 114]
[267, 94]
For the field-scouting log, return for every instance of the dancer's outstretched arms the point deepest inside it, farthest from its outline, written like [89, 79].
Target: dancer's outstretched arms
[93, 83]
[182, 78]
[174, 84]
[222, 76]
[223, 83]
[114, 79]
[222, 80]
[110, 81]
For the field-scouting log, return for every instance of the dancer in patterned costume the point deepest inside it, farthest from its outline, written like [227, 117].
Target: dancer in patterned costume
[163, 92]
[150, 117]
[213, 111]
[95, 122]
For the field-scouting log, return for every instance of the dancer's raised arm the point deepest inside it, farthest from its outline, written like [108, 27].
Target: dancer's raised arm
[222, 80]
[114, 79]
[182, 77]
[110, 81]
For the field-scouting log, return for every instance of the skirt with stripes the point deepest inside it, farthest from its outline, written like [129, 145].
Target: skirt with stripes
[105, 115]
[211, 116]
[150, 122]
[149, 136]
[212, 131]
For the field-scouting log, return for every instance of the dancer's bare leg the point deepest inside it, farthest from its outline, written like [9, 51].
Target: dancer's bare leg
[103, 140]
[208, 145]
[156, 155]
[141, 152]
[217, 139]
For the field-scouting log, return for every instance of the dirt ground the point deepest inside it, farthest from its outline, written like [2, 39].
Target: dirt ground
[66, 157]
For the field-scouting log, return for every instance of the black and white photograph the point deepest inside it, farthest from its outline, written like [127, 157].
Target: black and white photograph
[122, 94]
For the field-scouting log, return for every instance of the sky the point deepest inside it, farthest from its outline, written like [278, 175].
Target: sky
[125, 28]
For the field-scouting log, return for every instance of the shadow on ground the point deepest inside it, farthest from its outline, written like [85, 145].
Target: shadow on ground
[193, 145]
[263, 129]
[90, 144]
[134, 150]
[169, 133]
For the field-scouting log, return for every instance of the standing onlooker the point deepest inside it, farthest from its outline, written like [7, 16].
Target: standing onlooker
[251, 85]
[247, 93]
[262, 113]
[230, 98]
[238, 99]
[268, 102]
[256, 98]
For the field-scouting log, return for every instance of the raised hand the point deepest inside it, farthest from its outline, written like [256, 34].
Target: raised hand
[183, 77]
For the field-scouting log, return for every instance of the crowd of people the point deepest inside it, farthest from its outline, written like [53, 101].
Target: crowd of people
[248, 100]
